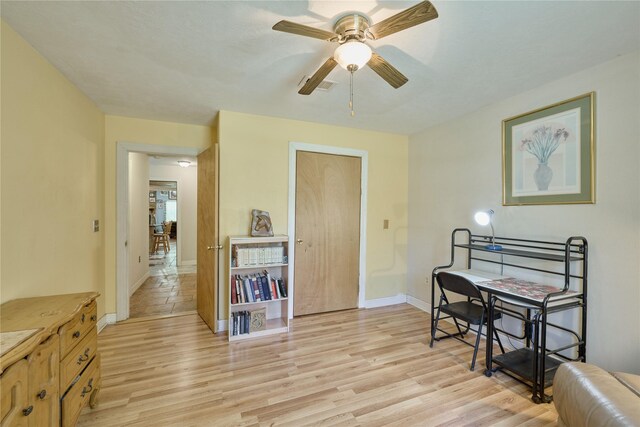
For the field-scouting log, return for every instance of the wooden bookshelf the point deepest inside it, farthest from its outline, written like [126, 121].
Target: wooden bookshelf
[258, 286]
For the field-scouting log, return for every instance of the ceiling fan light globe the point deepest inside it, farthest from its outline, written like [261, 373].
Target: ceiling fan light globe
[352, 53]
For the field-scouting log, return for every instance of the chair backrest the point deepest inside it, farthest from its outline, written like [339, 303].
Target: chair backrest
[458, 285]
[166, 227]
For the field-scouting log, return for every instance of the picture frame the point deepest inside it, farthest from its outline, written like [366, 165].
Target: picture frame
[261, 225]
[152, 199]
[548, 154]
[173, 195]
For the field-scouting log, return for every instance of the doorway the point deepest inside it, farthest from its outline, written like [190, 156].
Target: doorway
[352, 166]
[168, 286]
[124, 241]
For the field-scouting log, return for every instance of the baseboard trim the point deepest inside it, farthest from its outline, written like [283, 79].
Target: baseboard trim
[419, 304]
[139, 283]
[382, 302]
[107, 319]
[189, 262]
[221, 325]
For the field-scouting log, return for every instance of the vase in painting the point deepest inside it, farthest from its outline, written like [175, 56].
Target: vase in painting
[542, 176]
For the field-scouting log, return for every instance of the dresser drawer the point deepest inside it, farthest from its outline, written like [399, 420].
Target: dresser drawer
[78, 359]
[72, 332]
[80, 393]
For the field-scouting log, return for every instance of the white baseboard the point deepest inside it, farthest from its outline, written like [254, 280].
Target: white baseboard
[381, 302]
[418, 303]
[188, 262]
[107, 319]
[221, 325]
[139, 283]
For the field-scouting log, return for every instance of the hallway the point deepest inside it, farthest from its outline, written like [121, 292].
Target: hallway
[168, 290]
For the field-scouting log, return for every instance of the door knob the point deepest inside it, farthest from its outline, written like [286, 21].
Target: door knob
[210, 248]
[299, 241]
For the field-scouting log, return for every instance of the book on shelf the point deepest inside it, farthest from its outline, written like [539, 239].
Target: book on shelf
[257, 287]
[258, 320]
[247, 321]
[248, 257]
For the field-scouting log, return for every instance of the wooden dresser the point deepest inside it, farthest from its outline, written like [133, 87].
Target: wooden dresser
[50, 366]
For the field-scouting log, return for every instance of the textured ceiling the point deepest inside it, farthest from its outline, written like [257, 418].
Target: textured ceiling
[185, 61]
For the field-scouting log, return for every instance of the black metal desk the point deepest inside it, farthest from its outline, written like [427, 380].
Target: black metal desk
[535, 363]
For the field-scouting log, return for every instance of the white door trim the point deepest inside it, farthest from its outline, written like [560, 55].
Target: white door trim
[123, 149]
[294, 147]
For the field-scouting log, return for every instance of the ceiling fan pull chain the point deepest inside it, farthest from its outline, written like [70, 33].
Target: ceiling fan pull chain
[353, 113]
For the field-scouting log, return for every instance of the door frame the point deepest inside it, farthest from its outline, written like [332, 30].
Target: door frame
[123, 148]
[294, 147]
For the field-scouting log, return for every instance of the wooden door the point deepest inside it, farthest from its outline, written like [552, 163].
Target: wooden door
[327, 233]
[207, 250]
[43, 386]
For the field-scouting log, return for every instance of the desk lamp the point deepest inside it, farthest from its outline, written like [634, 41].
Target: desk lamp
[484, 218]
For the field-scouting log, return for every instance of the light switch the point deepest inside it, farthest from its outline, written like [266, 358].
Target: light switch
[385, 224]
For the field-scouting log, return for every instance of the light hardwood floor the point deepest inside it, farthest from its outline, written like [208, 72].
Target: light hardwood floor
[359, 367]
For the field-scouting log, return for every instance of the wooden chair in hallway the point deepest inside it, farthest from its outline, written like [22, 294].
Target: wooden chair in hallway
[162, 239]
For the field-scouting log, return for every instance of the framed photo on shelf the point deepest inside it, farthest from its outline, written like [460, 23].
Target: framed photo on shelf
[152, 199]
[173, 195]
[548, 155]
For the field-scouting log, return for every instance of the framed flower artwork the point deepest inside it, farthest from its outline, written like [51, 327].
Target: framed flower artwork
[548, 155]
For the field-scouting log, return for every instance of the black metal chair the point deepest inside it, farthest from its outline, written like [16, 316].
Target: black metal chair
[473, 311]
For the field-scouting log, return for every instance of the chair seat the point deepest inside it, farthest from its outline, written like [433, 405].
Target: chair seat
[467, 311]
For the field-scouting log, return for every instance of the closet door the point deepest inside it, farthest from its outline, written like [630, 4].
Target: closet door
[327, 233]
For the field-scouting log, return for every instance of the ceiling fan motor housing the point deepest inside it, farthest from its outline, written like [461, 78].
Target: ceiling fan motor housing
[352, 26]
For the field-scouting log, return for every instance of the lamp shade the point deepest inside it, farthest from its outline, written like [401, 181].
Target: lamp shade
[482, 217]
[352, 53]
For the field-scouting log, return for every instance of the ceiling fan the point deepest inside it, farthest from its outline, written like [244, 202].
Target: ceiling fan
[351, 32]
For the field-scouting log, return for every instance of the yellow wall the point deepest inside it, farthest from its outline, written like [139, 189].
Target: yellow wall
[152, 132]
[254, 168]
[52, 179]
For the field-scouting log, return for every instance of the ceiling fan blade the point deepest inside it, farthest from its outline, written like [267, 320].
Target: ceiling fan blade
[318, 77]
[385, 70]
[304, 30]
[422, 12]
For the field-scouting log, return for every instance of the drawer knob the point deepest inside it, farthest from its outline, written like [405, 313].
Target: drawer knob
[76, 334]
[27, 411]
[83, 357]
[86, 390]
[42, 394]
[82, 318]
[94, 318]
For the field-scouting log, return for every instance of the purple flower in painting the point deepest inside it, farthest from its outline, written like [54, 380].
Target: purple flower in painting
[543, 141]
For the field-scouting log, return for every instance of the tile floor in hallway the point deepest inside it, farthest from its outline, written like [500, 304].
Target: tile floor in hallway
[168, 290]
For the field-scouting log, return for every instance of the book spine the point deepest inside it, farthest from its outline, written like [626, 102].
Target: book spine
[247, 289]
[256, 291]
[260, 289]
[234, 293]
[283, 287]
[265, 285]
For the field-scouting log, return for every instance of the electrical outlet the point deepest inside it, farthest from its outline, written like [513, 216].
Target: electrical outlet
[96, 225]
[426, 280]
[139, 258]
[385, 224]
